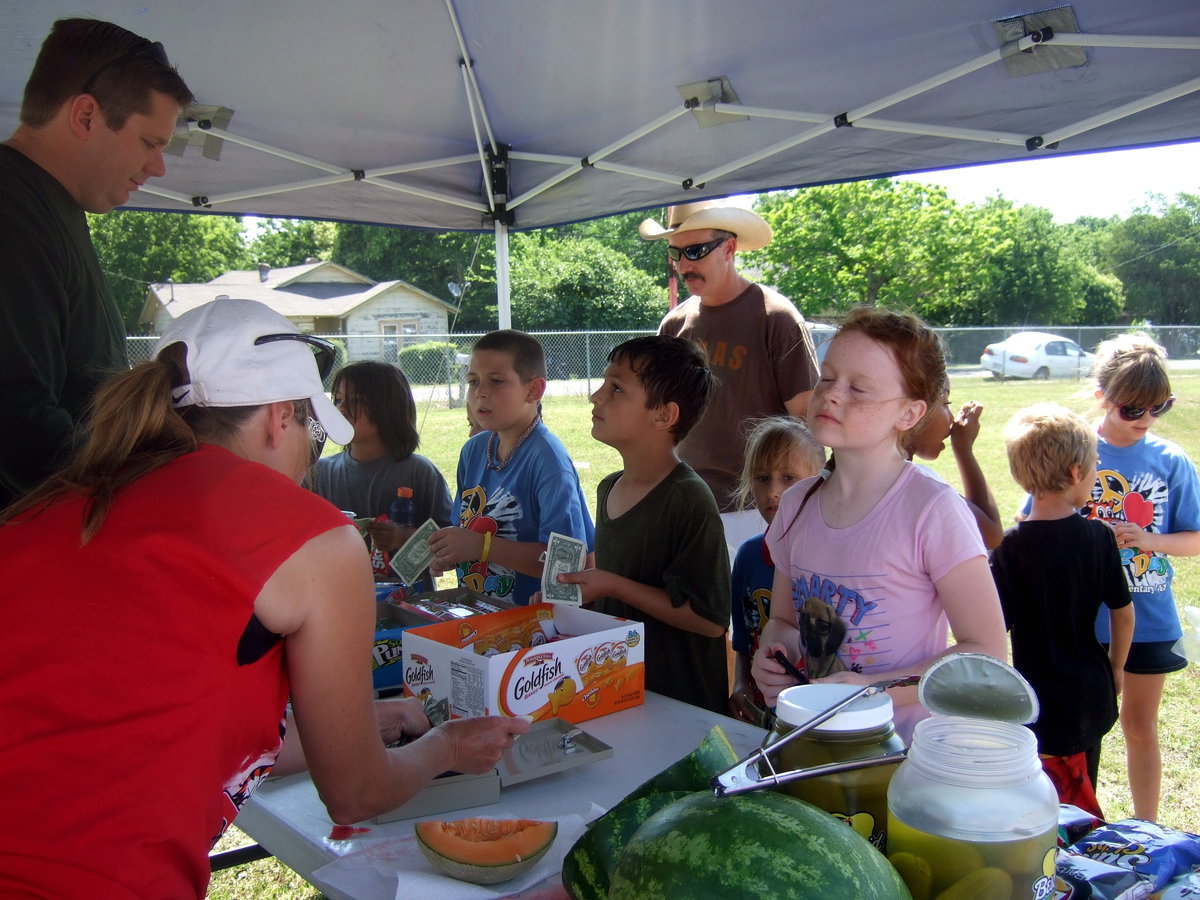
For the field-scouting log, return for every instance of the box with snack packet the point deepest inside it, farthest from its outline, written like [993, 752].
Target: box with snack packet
[542, 660]
[396, 612]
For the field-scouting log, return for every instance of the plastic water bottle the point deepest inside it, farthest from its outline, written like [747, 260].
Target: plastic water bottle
[402, 511]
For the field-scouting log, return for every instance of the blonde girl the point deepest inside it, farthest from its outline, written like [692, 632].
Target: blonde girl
[1147, 490]
[881, 561]
[780, 451]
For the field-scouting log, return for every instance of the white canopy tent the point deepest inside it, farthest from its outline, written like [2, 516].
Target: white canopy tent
[512, 114]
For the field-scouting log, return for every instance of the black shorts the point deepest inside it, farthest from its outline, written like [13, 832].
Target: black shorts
[1152, 658]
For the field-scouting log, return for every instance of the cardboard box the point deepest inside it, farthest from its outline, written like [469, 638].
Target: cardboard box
[543, 661]
[395, 613]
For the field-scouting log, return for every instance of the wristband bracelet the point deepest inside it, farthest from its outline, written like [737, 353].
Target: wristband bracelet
[487, 547]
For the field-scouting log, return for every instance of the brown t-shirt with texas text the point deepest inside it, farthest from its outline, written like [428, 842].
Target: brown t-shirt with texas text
[762, 354]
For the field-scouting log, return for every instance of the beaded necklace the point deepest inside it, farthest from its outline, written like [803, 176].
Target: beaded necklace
[493, 460]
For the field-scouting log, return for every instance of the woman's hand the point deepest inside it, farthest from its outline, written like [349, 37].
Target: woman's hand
[478, 743]
[400, 717]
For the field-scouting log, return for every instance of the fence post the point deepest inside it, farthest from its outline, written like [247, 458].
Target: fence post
[587, 359]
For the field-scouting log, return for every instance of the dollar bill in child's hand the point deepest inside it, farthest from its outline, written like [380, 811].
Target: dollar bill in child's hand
[563, 554]
[415, 556]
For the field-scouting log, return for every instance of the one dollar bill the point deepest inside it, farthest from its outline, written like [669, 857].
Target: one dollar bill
[563, 554]
[415, 556]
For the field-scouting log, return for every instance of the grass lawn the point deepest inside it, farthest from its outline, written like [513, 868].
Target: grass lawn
[443, 431]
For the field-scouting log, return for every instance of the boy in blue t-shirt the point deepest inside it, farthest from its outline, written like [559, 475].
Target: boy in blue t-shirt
[516, 482]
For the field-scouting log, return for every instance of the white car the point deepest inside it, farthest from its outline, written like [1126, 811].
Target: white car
[1035, 354]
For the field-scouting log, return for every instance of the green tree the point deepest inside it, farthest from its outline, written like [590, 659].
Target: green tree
[137, 249]
[1156, 254]
[579, 284]
[289, 242]
[1026, 270]
[882, 242]
[620, 233]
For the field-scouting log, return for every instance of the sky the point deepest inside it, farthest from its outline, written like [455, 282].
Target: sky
[1095, 184]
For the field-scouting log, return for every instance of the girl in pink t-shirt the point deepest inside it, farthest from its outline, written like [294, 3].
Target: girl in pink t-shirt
[881, 562]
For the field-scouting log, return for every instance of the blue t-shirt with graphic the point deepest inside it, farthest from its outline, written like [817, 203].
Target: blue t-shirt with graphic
[536, 493]
[753, 577]
[1152, 484]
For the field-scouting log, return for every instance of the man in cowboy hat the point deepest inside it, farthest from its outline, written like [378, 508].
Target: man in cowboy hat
[756, 342]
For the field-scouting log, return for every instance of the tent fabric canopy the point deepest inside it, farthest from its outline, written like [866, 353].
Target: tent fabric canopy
[461, 114]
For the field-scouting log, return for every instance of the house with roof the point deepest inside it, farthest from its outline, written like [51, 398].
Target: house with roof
[320, 297]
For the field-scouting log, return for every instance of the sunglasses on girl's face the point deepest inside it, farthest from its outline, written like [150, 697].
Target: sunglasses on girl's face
[694, 251]
[317, 435]
[1131, 413]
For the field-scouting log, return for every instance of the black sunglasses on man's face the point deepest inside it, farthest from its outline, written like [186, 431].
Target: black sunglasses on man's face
[152, 50]
[694, 251]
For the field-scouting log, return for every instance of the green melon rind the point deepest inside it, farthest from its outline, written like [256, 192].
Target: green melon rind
[694, 772]
[588, 865]
[477, 874]
[760, 844]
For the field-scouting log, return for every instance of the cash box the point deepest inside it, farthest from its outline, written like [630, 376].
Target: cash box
[545, 660]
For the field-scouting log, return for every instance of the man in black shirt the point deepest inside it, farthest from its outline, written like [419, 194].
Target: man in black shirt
[99, 107]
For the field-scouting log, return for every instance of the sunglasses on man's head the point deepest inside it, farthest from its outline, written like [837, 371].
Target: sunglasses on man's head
[1131, 413]
[694, 251]
[325, 352]
[152, 50]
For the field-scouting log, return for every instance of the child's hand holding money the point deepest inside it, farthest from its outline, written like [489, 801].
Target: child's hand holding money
[453, 545]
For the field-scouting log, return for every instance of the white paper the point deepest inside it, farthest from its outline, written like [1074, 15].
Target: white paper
[396, 868]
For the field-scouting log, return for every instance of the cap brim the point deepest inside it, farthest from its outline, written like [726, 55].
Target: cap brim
[335, 424]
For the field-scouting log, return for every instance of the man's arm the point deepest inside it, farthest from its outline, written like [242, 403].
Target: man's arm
[797, 407]
[33, 364]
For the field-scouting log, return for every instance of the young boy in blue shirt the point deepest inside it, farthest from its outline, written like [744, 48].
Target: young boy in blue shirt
[516, 482]
[660, 546]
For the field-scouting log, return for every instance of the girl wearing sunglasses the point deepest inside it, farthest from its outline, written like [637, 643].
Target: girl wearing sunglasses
[1147, 490]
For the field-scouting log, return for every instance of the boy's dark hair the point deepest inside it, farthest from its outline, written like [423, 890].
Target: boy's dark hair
[120, 69]
[383, 393]
[528, 357]
[671, 370]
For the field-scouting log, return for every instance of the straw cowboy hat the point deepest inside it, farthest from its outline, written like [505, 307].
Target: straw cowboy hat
[753, 233]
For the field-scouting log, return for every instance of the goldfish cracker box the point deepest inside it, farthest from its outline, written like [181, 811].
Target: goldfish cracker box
[543, 661]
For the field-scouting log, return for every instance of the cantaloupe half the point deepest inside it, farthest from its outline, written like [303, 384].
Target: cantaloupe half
[485, 851]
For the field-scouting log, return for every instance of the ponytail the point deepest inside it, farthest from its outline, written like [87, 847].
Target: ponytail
[132, 429]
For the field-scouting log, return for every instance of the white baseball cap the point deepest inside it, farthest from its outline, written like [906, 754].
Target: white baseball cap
[243, 353]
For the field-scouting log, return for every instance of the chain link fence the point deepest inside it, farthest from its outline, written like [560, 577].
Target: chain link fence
[436, 364]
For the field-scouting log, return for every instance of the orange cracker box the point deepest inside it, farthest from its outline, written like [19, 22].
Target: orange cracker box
[543, 661]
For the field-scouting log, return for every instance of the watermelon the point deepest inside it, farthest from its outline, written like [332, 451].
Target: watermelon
[760, 844]
[694, 772]
[588, 865]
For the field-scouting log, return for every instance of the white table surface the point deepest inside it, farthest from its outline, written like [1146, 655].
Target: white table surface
[286, 817]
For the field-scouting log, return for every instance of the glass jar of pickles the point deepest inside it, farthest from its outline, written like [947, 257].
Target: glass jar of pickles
[860, 731]
[971, 813]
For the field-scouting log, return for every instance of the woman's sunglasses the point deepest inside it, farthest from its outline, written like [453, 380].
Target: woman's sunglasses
[1131, 413]
[325, 352]
[694, 251]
